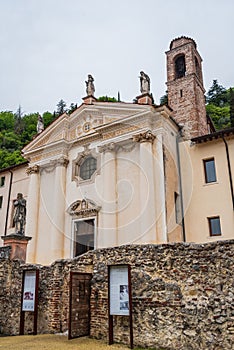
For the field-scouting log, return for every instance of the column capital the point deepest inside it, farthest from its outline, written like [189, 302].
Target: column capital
[146, 136]
[62, 162]
[34, 169]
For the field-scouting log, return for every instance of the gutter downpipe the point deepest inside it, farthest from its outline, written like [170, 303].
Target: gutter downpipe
[180, 186]
[229, 170]
[8, 202]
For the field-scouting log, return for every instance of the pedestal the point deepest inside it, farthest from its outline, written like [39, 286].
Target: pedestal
[144, 99]
[18, 244]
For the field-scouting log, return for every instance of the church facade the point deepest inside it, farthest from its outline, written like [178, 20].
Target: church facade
[115, 173]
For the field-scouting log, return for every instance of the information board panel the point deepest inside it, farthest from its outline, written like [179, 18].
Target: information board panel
[119, 290]
[29, 290]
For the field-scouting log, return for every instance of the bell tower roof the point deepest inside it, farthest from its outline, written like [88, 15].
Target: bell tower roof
[182, 41]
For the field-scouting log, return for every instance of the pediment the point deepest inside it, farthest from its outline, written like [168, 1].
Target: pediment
[83, 208]
[84, 122]
[55, 132]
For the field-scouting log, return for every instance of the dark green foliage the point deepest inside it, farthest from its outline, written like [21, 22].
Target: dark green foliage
[217, 95]
[61, 107]
[107, 99]
[218, 105]
[16, 130]
[219, 115]
[164, 99]
[231, 107]
[48, 118]
[72, 108]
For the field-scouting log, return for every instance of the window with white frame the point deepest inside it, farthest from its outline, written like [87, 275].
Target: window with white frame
[83, 233]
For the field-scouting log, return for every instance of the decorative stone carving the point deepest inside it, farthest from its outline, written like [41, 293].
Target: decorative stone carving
[90, 89]
[62, 162]
[145, 83]
[147, 136]
[32, 170]
[83, 208]
[109, 147]
[49, 167]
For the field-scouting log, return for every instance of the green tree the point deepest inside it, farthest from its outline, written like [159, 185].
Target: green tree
[72, 108]
[164, 99]
[219, 115]
[61, 107]
[48, 118]
[18, 126]
[7, 120]
[217, 95]
[107, 99]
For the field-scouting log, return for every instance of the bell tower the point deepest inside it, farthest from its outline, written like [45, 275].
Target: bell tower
[185, 87]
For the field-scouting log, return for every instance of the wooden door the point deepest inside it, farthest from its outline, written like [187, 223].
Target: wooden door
[79, 308]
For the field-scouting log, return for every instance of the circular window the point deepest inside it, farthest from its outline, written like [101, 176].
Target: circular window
[86, 127]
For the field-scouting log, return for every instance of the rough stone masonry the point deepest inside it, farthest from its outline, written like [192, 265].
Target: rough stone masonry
[183, 295]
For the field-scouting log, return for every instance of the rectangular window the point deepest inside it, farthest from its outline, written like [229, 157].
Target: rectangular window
[209, 167]
[2, 181]
[83, 236]
[1, 200]
[214, 226]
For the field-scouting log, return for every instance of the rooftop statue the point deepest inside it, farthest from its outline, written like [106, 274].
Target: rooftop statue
[145, 83]
[90, 89]
[40, 124]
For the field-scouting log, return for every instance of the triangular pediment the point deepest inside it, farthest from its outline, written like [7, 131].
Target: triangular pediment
[85, 122]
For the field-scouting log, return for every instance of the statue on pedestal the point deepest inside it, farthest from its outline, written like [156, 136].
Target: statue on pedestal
[19, 217]
[90, 89]
[145, 83]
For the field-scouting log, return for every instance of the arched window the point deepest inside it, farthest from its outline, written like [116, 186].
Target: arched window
[87, 168]
[180, 67]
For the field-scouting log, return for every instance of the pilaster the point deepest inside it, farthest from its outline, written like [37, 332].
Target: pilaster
[108, 230]
[147, 187]
[31, 228]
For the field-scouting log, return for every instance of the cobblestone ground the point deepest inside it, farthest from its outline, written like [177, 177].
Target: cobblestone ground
[54, 342]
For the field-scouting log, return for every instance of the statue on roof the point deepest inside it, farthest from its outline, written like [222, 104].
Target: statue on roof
[40, 124]
[145, 83]
[90, 89]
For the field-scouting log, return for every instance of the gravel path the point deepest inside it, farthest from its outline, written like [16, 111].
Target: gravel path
[54, 342]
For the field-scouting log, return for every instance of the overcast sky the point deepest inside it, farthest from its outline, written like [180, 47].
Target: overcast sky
[48, 47]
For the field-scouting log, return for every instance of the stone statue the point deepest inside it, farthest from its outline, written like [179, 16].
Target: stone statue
[90, 89]
[145, 83]
[40, 124]
[19, 217]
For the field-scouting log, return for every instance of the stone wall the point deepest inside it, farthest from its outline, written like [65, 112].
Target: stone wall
[183, 295]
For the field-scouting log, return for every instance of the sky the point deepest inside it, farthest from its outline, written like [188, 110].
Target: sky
[48, 47]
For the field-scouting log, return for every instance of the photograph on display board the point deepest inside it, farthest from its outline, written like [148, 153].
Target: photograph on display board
[124, 297]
